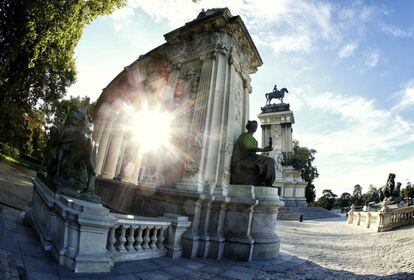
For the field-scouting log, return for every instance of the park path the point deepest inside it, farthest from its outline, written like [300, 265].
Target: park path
[314, 249]
[333, 244]
[15, 185]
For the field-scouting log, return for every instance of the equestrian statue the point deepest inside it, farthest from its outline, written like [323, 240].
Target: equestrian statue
[276, 94]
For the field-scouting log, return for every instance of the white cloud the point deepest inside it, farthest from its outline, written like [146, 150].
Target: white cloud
[406, 97]
[397, 32]
[286, 25]
[353, 136]
[282, 26]
[372, 59]
[348, 50]
[377, 175]
[120, 15]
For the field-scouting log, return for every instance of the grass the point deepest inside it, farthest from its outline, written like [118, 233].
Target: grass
[23, 163]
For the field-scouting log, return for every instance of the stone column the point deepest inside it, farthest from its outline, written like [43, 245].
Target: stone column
[114, 150]
[104, 140]
[127, 165]
[101, 122]
[137, 166]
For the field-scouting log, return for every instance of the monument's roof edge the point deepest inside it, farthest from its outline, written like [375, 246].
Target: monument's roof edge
[249, 38]
[141, 57]
[221, 12]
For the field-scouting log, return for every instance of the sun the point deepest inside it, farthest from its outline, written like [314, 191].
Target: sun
[151, 128]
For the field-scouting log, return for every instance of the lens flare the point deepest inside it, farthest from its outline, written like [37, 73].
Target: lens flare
[151, 128]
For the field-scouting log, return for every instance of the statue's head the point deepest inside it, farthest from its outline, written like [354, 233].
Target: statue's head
[251, 126]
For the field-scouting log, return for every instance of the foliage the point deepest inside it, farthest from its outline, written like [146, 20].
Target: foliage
[327, 200]
[59, 111]
[9, 151]
[408, 191]
[37, 42]
[345, 200]
[357, 194]
[372, 195]
[303, 158]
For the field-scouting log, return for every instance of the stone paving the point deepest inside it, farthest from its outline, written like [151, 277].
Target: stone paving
[22, 258]
[15, 185]
[321, 249]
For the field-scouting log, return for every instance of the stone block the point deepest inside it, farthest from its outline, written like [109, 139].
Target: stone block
[237, 275]
[155, 275]
[177, 270]
[135, 267]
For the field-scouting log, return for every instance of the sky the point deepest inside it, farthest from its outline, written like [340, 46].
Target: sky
[348, 66]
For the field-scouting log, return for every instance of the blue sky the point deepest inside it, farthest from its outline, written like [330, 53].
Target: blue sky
[348, 65]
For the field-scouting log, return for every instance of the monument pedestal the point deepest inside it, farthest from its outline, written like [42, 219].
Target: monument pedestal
[276, 122]
[240, 224]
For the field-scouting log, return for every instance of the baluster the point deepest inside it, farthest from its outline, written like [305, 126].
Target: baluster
[146, 238]
[160, 242]
[138, 240]
[121, 241]
[111, 240]
[131, 239]
[154, 238]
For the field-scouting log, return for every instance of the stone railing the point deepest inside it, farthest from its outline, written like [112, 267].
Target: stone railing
[86, 237]
[135, 237]
[384, 220]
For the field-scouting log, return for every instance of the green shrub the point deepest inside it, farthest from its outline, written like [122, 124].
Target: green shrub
[8, 150]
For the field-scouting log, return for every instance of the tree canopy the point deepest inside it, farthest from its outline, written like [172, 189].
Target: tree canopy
[303, 158]
[357, 193]
[327, 200]
[37, 42]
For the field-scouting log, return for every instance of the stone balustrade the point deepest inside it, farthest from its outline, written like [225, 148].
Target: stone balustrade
[136, 237]
[384, 220]
[87, 237]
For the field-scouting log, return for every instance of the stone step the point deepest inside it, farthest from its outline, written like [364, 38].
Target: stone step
[309, 213]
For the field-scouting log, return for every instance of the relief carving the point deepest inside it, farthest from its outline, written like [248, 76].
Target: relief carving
[238, 98]
[227, 159]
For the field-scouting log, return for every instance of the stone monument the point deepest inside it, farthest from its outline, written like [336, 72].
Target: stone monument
[276, 122]
[65, 211]
[201, 75]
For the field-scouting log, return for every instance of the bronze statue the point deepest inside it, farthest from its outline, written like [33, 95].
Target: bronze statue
[275, 94]
[70, 160]
[247, 167]
[386, 191]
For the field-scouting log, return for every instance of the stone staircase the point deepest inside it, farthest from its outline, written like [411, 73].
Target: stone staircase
[309, 213]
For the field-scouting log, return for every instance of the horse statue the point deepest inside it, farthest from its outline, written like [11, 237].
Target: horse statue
[275, 94]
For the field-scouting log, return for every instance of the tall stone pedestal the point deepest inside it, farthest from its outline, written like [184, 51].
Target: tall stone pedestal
[276, 122]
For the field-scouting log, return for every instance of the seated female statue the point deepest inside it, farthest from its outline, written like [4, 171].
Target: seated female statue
[247, 167]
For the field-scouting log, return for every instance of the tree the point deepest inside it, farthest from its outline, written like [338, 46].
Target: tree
[345, 200]
[303, 158]
[373, 194]
[59, 111]
[408, 191]
[327, 200]
[357, 194]
[37, 42]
